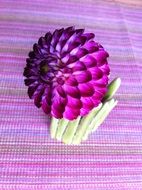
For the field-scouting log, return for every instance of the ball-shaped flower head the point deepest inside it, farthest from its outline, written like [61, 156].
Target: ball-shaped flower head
[67, 73]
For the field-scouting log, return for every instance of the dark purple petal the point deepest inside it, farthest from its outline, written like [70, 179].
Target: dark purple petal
[32, 89]
[42, 42]
[30, 80]
[45, 106]
[56, 36]
[38, 96]
[48, 38]
[37, 50]
[32, 54]
[79, 31]
[89, 36]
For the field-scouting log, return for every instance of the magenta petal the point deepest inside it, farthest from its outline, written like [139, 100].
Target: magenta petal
[45, 106]
[105, 68]
[72, 91]
[97, 96]
[101, 90]
[83, 76]
[71, 81]
[70, 113]
[72, 58]
[87, 103]
[58, 107]
[101, 56]
[102, 81]
[96, 73]
[86, 89]
[91, 46]
[38, 96]
[56, 113]
[89, 61]
[61, 91]
[79, 66]
[81, 52]
[84, 112]
[74, 103]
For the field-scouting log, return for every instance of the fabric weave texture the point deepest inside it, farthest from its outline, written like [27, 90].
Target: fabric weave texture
[111, 159]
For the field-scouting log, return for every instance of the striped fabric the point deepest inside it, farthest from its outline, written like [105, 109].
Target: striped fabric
[112, 157]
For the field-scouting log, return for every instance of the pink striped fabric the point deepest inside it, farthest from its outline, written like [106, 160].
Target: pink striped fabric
[112, 157]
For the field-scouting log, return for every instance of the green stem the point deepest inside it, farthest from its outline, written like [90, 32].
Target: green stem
[70, 131]
[100, 117]
[61, 128]
[101, 111]
[53, 126]
[112, 104]
[85, 121]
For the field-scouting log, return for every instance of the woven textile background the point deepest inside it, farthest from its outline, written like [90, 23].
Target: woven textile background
[112, 157]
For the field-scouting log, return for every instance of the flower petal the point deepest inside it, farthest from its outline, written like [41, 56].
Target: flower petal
[83, 76]
[32, 88]
[38, 96]
[70, 113]
[61, 91]
[87, 103]
[96, 73]
[79, 66]
[46, 106]
[74, 103]
[71, 81]
[84, 112]
[73, 91]
[86, 89]
[89, 61]
[91, 46]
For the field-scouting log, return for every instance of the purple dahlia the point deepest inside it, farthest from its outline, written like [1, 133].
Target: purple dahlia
[67, 73]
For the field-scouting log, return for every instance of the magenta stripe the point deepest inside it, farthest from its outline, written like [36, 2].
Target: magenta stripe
[112, 157]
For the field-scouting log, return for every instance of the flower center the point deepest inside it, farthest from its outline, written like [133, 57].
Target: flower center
[44, 68]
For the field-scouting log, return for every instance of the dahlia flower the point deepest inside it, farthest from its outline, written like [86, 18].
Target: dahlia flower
[67, 76]
[67, 73]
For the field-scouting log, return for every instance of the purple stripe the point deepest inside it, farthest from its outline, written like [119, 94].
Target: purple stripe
[112, 157]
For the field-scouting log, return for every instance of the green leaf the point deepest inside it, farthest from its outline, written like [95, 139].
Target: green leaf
[112, 88]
